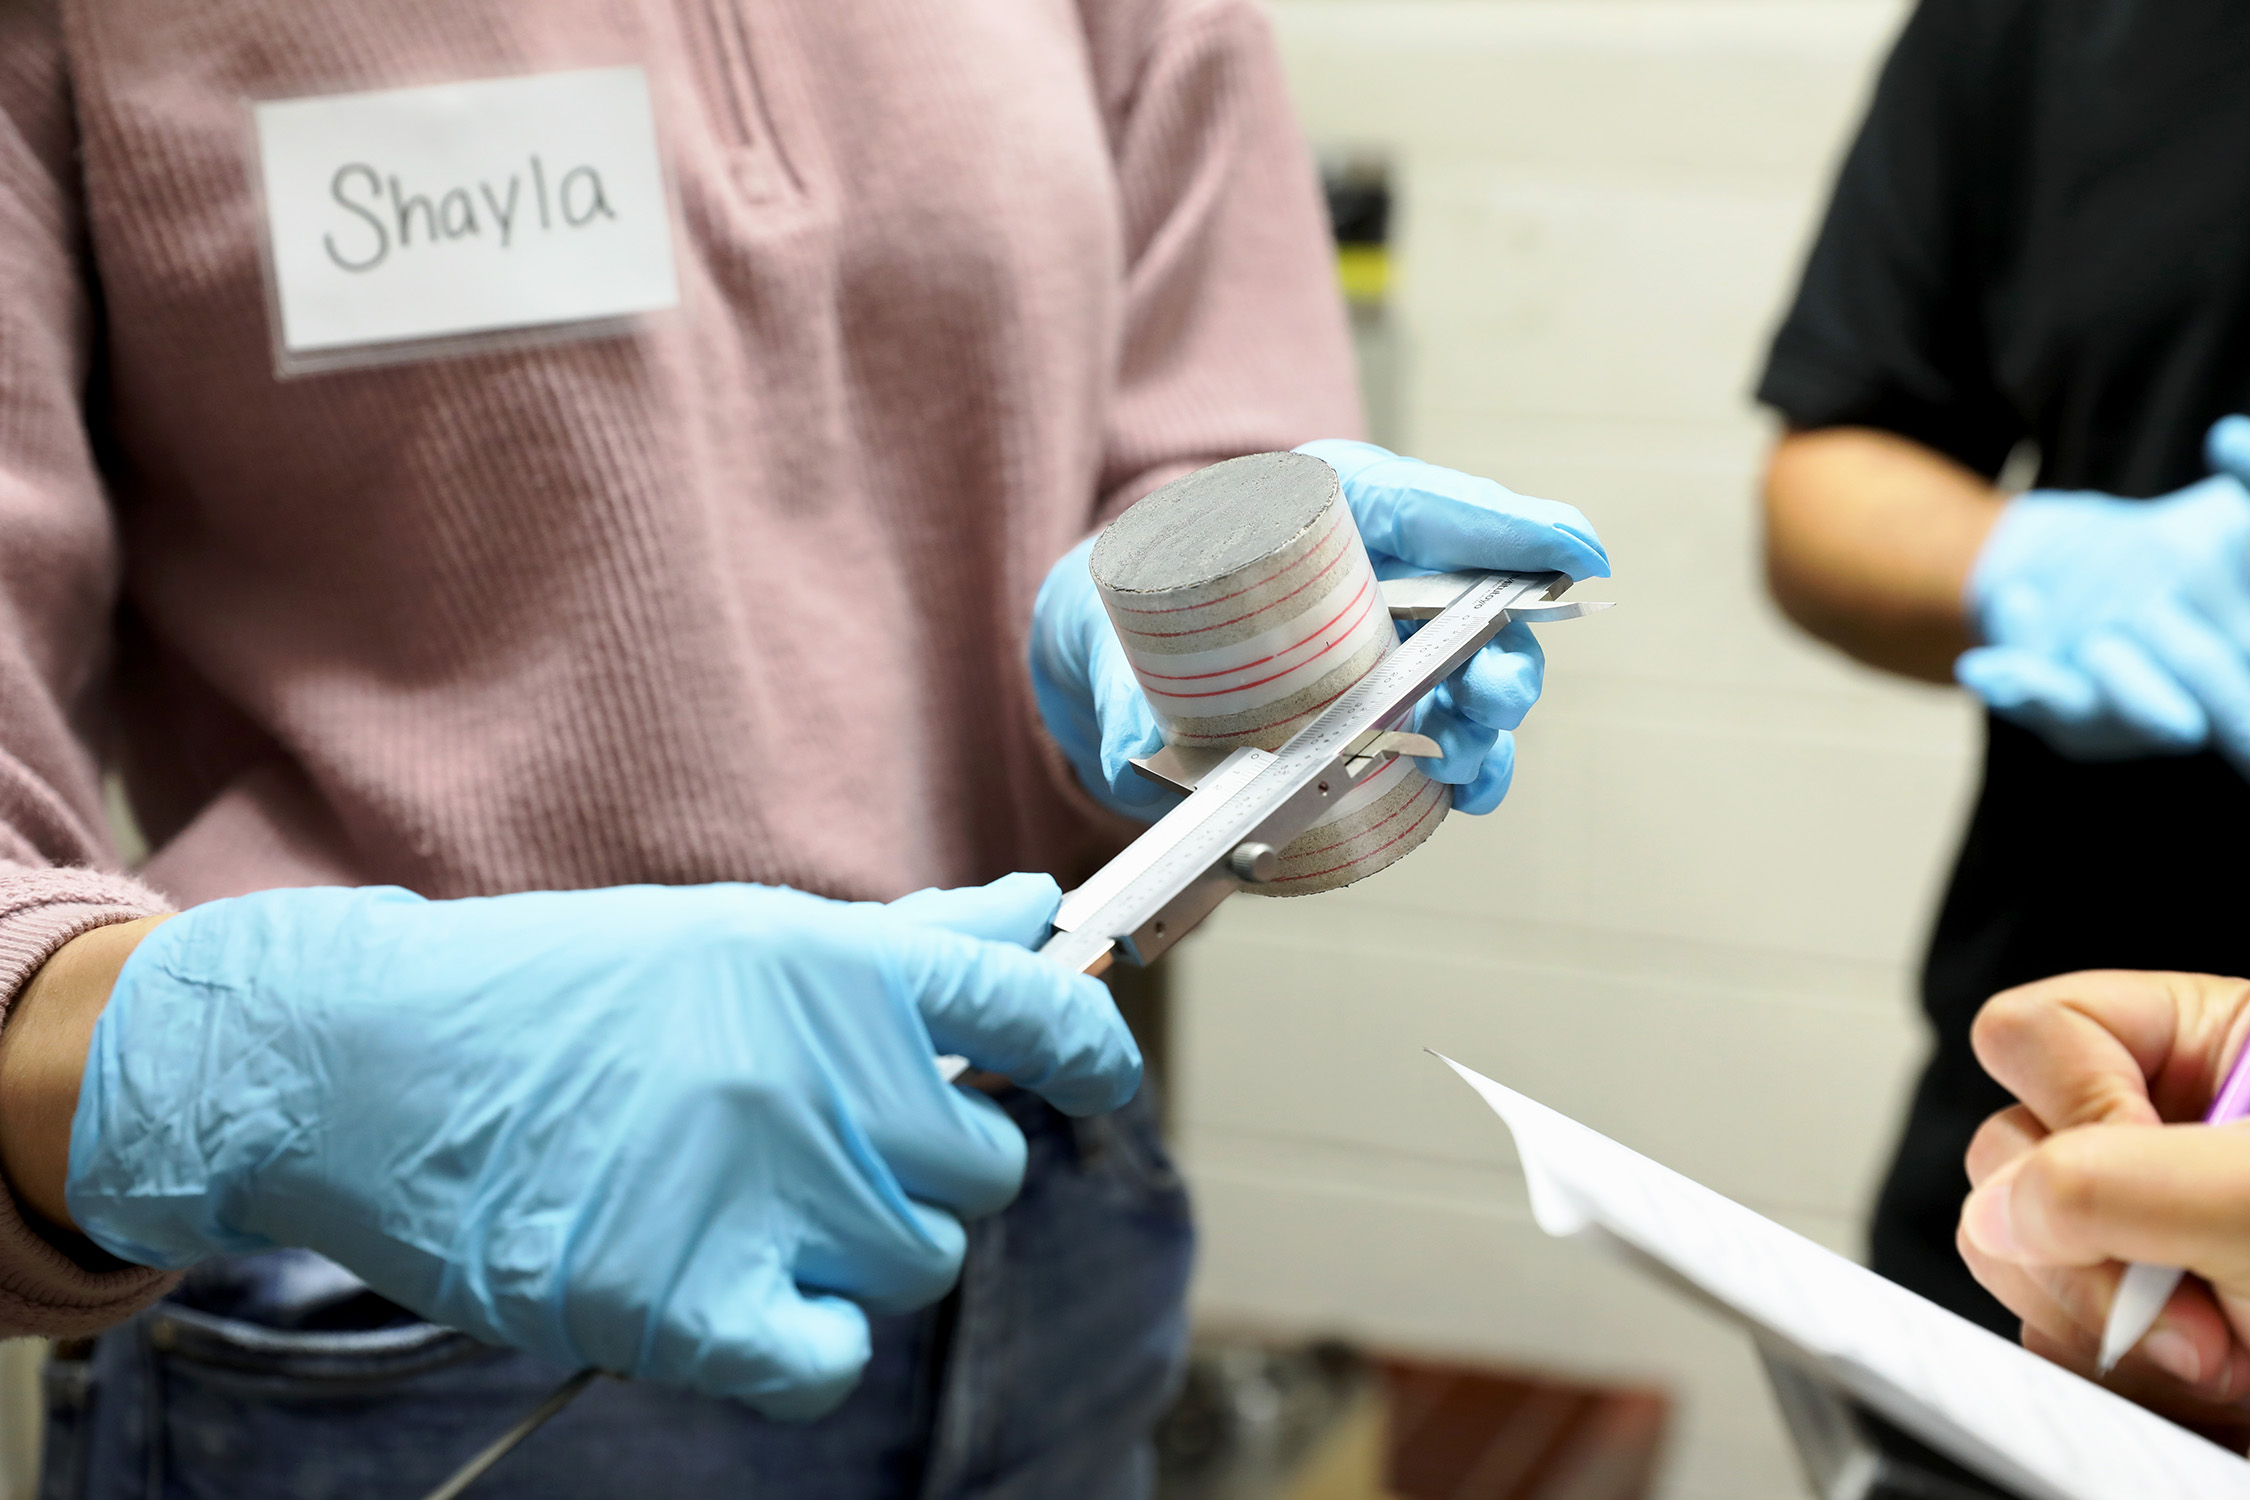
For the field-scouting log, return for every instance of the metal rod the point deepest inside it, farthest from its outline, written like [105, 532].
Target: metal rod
[470, 1472]
[949, 1068]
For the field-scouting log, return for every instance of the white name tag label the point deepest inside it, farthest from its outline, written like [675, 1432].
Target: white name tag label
[462, 208]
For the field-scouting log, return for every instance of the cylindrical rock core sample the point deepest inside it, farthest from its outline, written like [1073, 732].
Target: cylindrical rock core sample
[1246, 604]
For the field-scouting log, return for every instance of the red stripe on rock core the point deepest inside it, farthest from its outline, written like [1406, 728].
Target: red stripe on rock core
[1173, 635]
[1303, 557]
[1360, 601]
[1437, 786]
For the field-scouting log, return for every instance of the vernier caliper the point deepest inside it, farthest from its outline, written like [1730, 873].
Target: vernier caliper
[1245, 805]
[1242, 808]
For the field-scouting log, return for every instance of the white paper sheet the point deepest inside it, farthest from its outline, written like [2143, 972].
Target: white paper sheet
[1992, 1405]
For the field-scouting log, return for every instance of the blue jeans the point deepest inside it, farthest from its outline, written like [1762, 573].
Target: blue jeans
[1040, 1378]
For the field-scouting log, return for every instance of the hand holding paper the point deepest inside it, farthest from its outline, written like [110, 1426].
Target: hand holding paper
[2084, 1174]
[2040, 1431]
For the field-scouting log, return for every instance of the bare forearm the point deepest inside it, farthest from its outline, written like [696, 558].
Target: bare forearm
[1869, 541]
[43, 1054]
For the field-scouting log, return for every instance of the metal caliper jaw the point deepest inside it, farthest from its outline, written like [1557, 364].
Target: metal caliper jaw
[1245, 804]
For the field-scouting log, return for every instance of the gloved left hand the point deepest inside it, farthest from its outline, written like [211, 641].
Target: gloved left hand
[2117, 628]
[685, 1133]
[1414, 518]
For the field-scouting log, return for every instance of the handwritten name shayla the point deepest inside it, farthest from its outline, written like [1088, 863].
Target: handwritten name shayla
[390, 217]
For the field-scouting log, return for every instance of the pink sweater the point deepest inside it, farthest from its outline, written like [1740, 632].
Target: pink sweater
[740, 596]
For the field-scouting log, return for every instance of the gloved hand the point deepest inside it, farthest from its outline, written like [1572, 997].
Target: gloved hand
[1415, 518]
[1088, 697]
[2120, 628]
[680, 1133]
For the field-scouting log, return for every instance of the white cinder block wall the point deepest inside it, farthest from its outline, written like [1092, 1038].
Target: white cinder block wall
[1694, 923]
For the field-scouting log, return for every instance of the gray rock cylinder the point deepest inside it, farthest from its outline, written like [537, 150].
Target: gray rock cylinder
[1246, 604]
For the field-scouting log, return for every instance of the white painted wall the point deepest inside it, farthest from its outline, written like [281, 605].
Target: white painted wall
[1693, 925]
[20, 1360]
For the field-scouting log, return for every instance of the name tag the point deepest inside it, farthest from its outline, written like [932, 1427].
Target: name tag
[405, 215]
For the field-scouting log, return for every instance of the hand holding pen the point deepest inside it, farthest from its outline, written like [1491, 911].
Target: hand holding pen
[2091, 1171]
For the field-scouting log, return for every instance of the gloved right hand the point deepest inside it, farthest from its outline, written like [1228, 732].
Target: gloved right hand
[2120, 628]
[680, 1133]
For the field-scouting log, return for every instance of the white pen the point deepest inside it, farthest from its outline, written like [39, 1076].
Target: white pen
[2144, 1289]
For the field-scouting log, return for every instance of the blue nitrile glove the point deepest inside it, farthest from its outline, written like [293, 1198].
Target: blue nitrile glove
[1418, 518]
[1088, 697]
[679, 1133]
[2121, 628]
[1415, 518]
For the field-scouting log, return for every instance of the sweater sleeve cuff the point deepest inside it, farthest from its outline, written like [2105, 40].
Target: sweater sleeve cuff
[43, 1291]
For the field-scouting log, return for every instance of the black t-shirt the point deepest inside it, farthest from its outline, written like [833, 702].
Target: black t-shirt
[2043, 233]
